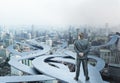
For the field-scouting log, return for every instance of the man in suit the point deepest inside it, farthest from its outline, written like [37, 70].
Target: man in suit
[81, 46]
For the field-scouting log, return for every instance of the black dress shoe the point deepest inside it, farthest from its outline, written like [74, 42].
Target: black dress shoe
[75, 78]
[87, 78]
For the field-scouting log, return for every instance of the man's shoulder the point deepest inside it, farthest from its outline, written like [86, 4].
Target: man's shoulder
[76, 41]
[79, 40]
[86, 39]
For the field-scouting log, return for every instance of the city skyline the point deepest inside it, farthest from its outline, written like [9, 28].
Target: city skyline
[29, 45]
[59, 12]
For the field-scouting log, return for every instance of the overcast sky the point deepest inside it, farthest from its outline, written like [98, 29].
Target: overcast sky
[59, 12]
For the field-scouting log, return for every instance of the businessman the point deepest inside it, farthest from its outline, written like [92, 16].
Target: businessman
[81, 46]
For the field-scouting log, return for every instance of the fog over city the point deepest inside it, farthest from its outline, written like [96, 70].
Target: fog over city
[60, 12]
[46, 41]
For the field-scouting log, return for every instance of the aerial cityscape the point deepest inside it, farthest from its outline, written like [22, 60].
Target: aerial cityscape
[22, 45]
[59, 41]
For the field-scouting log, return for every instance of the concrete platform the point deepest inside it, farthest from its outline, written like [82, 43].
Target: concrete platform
[11, 79]
[62, 73]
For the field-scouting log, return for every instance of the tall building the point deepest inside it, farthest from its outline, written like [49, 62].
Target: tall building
[105, 55]
[118, 44]
[8, 39]
[2, 35]
[33, 34]
[29, 36]
[3, 54]
[49, 42]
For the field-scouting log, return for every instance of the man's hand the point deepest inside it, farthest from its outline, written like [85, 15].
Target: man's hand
[80, 54]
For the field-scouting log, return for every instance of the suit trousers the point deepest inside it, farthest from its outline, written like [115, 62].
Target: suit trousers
[85, 67]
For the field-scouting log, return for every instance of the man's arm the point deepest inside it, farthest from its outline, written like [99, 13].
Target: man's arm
[88, 49]
[78, 52]
[77, 49]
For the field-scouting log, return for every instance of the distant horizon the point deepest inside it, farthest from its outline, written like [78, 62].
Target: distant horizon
[59, 25]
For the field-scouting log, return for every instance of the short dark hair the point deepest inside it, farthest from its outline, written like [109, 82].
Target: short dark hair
[81, 35]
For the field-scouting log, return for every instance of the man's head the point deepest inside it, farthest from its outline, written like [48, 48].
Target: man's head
[81, 36]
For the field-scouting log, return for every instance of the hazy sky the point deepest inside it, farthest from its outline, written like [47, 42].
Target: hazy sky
[59, 12]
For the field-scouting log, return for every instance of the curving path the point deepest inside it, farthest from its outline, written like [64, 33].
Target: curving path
[53, 70]
[62, 72]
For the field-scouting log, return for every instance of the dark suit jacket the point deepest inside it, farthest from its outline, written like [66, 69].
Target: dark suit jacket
[82, 45]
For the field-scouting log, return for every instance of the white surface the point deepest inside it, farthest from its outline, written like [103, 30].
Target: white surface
[62, 74]
[24, 78]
